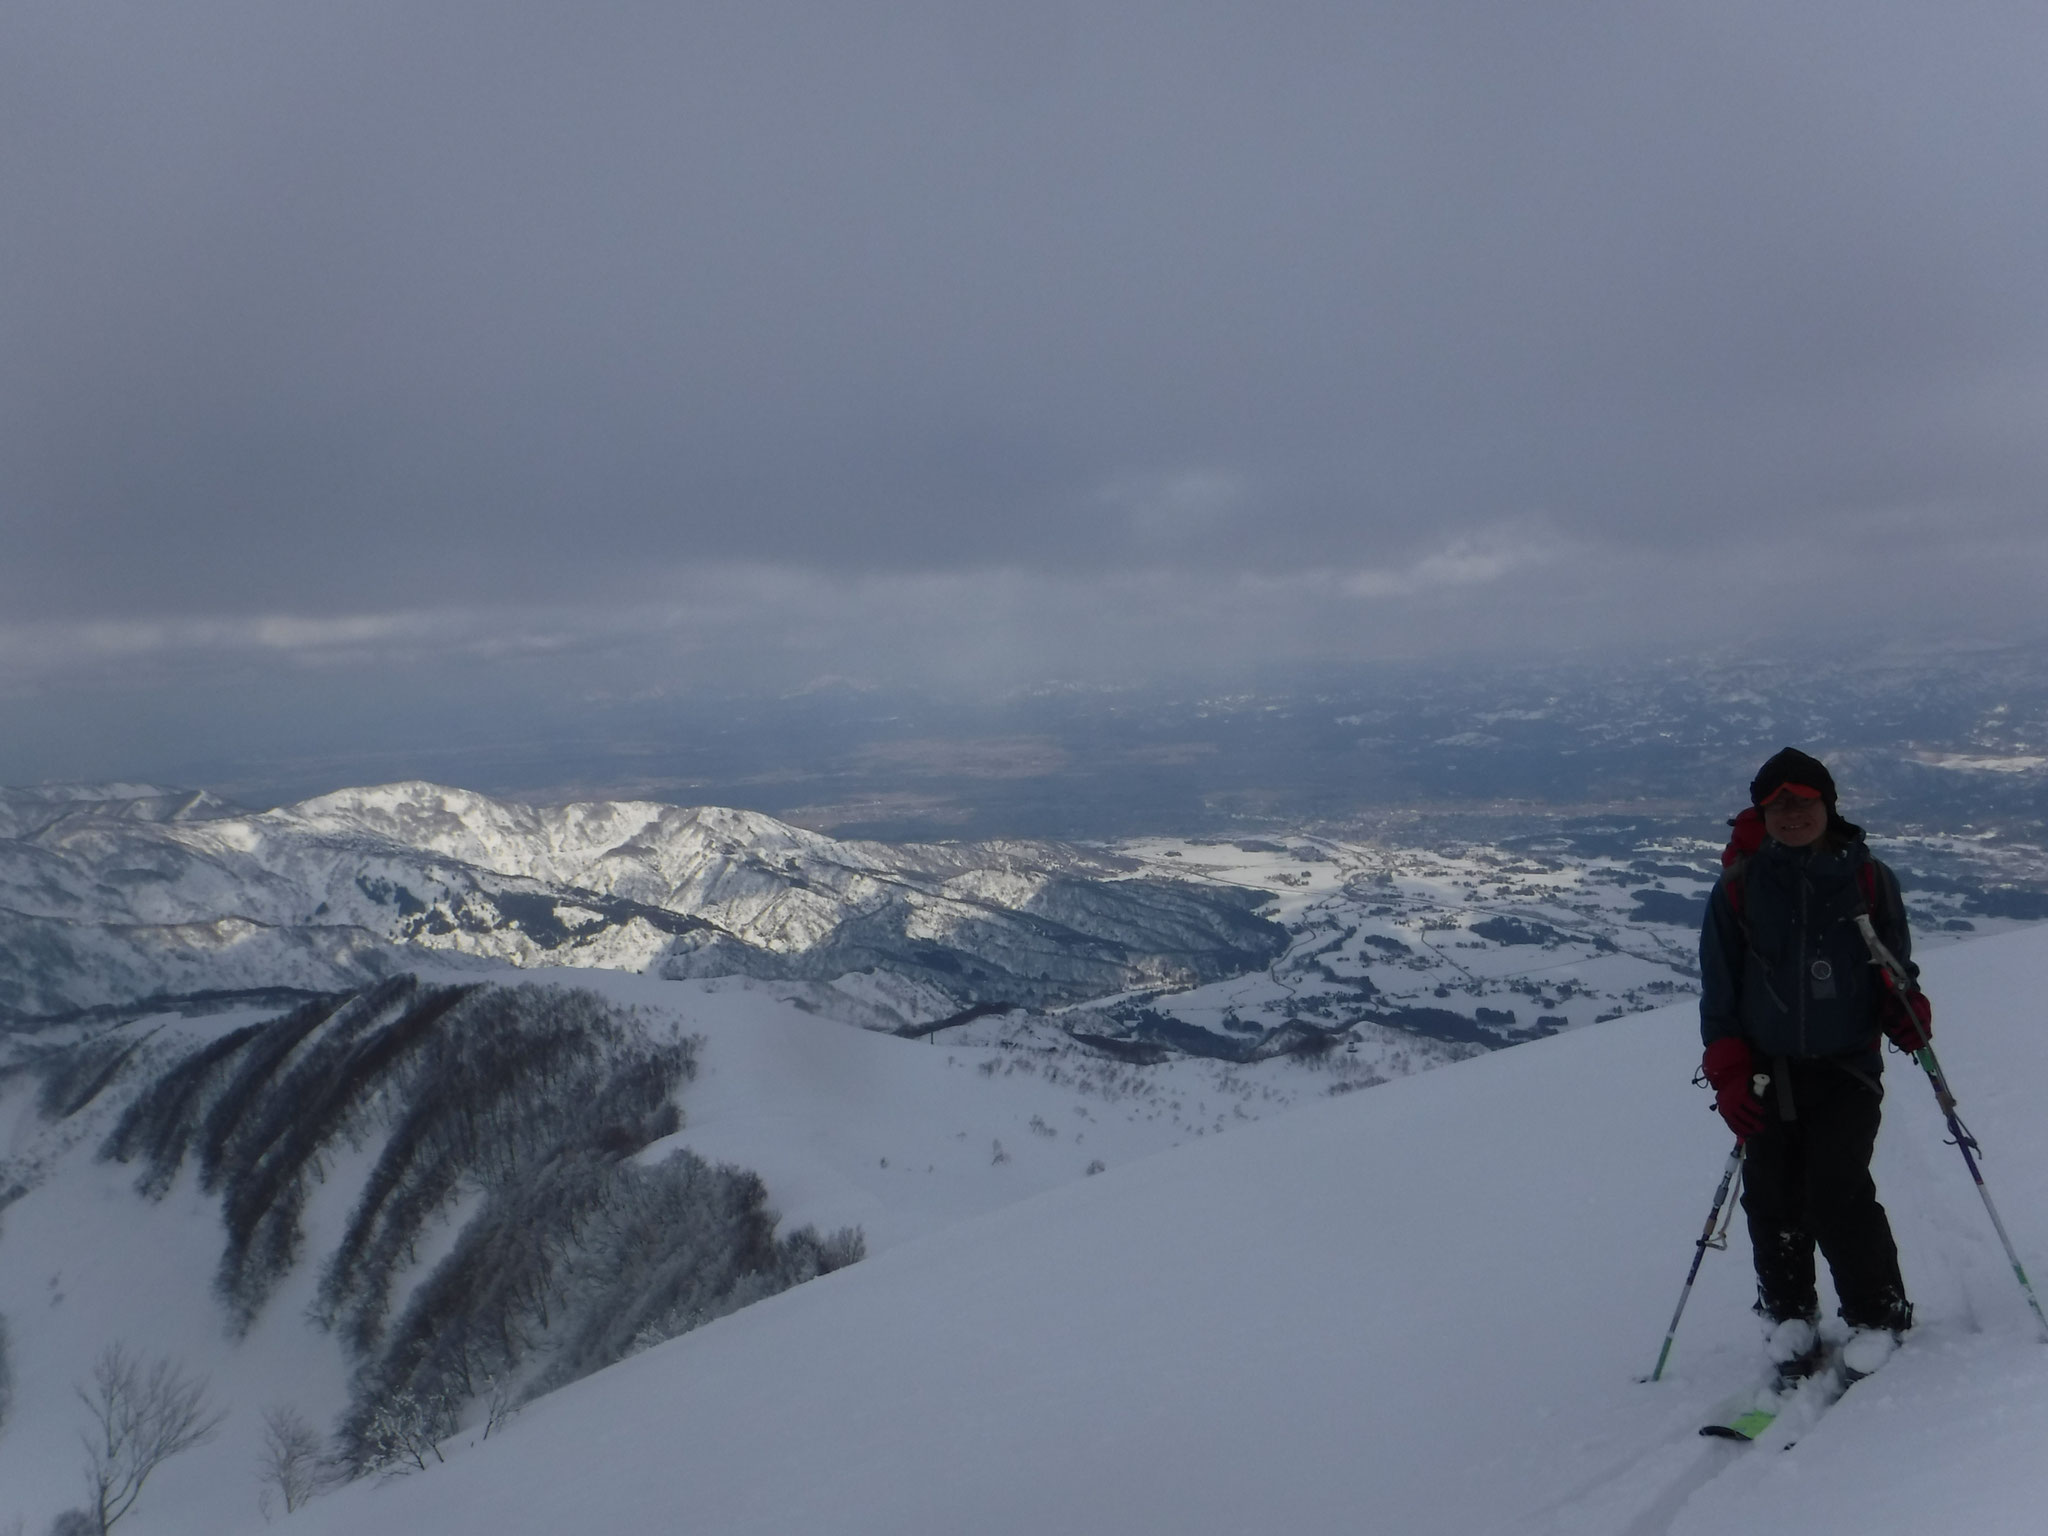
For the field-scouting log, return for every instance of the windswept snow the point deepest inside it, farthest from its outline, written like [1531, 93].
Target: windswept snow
[1421, 1308]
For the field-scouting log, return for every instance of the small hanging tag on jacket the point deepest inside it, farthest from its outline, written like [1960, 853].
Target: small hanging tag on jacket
[1821, 979]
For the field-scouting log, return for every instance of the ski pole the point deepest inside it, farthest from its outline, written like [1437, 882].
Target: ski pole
[1965, 1143]
[1699, 1251]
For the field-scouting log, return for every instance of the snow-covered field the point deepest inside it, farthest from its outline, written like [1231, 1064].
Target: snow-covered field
[1474, 944]
[1417, 1308]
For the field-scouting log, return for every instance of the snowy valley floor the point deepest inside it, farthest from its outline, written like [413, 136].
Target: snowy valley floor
[1418, 1308]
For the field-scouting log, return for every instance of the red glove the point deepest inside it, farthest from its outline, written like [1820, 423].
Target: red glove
[1727, 1067]
[1907, 1017]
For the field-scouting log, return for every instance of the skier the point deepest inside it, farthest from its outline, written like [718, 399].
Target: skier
[1792, 1014]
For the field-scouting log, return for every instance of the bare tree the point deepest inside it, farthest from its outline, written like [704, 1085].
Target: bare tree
[500, 1405]
[143, 1413]
[403, 1432]
[289, 1464]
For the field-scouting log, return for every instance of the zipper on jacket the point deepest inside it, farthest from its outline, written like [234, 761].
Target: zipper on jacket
[1799, 957]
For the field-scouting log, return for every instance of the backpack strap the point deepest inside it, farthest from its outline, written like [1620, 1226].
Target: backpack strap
[1866, 877]
[1745, 836]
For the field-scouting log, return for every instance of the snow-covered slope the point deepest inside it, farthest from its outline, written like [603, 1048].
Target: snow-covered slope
[847, 1127]
[1415, 1309]
[1418, 1308]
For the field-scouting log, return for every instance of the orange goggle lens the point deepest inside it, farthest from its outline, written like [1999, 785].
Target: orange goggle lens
[1794, 791]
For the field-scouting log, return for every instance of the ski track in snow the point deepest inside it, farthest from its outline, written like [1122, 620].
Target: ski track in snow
[1644, 1494]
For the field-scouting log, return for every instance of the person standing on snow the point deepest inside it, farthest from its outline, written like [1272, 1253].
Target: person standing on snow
[1792, 1014]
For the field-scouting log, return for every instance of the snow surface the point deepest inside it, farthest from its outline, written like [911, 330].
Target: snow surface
[845, 1125]
[1417, 1308]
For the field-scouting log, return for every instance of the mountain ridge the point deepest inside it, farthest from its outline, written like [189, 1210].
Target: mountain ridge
[97, 894]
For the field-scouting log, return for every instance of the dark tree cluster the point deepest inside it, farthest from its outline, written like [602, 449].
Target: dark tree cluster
[71, 1077]
[581, 1263]
[523, 1106]
[518, 1079]
[262, 1113]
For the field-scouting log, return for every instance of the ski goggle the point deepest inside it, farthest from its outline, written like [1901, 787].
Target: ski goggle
[1794, 791]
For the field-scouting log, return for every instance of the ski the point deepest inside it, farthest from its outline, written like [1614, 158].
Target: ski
[1744, 1426]
[1747, 1415]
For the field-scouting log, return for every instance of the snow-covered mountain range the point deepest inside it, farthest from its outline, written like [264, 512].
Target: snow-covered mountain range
[120, 892]
[1153, 947]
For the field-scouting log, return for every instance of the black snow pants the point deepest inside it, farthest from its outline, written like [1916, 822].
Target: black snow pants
[1806, 1180]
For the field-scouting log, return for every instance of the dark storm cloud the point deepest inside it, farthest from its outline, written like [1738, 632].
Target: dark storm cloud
[345, 310]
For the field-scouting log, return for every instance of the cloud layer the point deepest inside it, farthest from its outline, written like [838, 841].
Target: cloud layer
[952, 334]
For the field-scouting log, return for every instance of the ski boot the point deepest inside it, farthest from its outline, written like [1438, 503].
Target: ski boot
[1794, 1349]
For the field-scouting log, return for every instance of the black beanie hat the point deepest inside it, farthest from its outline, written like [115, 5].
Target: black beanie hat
[1792, 766]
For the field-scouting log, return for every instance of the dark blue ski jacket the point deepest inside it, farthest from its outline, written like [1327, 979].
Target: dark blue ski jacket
[1791, 974]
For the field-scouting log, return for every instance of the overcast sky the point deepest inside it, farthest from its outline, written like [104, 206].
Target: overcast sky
[758, 339]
